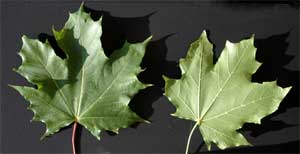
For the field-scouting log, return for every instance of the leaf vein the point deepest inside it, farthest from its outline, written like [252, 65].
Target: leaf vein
[225, 83]
[219, 132]
[106, 90]
[57, 87]
[186, 105]
[235, 108]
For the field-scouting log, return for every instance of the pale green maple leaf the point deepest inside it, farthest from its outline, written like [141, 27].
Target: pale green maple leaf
[220, 97]
[87, 87]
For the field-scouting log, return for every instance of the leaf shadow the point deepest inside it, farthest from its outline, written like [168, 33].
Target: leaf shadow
[76, 63]
[118, 29]
[254, 4]
[58, 51]
[43, 37]
[136, 29]
[276, 148]
[272, 53]
[115, 31]
[156, 65]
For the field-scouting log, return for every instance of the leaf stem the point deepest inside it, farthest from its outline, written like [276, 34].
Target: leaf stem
[189, 139]
[73, 137]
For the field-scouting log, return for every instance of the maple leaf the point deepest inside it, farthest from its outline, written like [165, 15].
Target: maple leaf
[87, 87]
[220, 97]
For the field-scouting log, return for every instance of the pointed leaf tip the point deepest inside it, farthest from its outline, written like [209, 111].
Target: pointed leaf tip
[204, 33]
[81, 8]
[100, 19]
[24, 37]
[12, 86]
[149, 85]
[147, 121]
[253, 36]
[147, 40]
[165, 78]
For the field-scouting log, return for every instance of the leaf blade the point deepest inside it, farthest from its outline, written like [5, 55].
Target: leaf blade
[88, 76]
[44, 109]
[228, 98]
[202, 49]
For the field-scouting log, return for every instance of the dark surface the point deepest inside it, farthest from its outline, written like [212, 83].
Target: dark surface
[174, 26]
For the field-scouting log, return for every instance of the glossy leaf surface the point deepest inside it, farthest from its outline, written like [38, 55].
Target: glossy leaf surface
[87, 87]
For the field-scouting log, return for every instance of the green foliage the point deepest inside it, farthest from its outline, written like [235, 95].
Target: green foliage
[87, 87]
[220, 97]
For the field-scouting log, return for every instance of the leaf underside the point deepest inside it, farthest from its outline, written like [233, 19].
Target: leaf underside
[87, 87]
[220, 97]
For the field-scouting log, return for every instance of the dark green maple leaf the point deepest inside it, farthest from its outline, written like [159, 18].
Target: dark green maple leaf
[87, 87]
[220, 97]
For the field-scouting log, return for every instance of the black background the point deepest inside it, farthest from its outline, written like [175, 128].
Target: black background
[174, 25]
